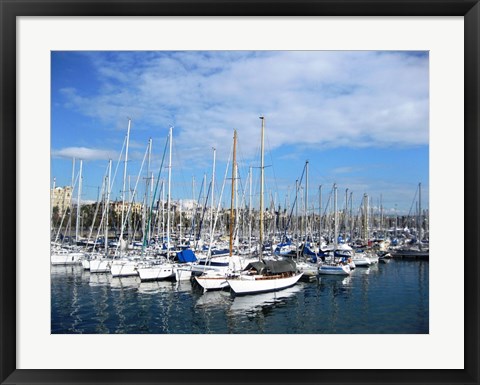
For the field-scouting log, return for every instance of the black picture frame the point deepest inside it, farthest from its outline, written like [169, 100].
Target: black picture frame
[10, 10]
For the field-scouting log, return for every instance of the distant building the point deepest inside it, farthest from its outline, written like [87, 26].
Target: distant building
[116, 207]
[62, 198]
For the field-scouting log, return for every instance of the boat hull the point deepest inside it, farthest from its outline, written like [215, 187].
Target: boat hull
[212, 281]
[124, 268]
[334, 270]
[183, 273]
[247, 284]
[66, 259]
[100, 266]
[156, 273]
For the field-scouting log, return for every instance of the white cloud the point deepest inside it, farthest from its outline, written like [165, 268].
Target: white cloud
[326, 99]
[84, 153]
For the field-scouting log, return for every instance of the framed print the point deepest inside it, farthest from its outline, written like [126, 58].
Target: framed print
[111, 273]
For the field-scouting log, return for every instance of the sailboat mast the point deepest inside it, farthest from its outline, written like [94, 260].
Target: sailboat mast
[232, 201]
[306, 200]
[365, 218]
[124, 184]
[346, 214]
[145, 222]
[169, 189]
[107, 203]
[78, 201]
[335, 214]
[69, 224]
[261, 185]
[213, 191]
[420, 213]
[250, 211]
[320, 215]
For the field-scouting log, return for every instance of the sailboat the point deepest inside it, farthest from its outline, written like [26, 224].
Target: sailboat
[264, 275]
[64, 255]
[160, 269]
[127, 266]
[216, 279]
[335, 267]
[103, 264]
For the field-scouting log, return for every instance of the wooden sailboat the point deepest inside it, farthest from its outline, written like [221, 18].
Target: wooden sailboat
[264, 275]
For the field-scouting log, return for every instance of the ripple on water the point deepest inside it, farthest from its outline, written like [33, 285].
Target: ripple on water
[387, 298]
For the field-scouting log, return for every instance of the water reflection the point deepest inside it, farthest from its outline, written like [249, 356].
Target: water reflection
[256, 302]
[125, 283]
[213, 299]
[99, 279]
[384, 298]
[155, 287]
[60, 270]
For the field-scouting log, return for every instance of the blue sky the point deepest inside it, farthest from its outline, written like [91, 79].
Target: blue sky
[361, 119]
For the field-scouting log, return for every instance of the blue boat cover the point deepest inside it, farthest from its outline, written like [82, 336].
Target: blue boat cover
[186, 255]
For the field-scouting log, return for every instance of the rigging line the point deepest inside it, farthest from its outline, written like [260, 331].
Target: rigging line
[294, 201]
[209, 253]
[328, 202]
[413, 202]
[204, 210]
[180, 175]
[194, 216]
[156, 186]
[132, 198]
[96, 212]
[118, 163]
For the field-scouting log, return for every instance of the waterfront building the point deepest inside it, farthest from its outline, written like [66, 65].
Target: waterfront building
[62, 198]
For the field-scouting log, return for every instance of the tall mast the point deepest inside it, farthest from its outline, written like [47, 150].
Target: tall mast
[169, 189]
[194, 208]
[320, 215]
[261, 186]
[234, 176]
[335, 214]
[346, 214]
[351, 216]
[213, 191]
[148, 186]
[420, 213]
[365, 218]
[69, 225]
[73, 172]
[78, 200]
[124, 184]
[297, 232]
[163, 210]
[306, 200]
[107, 203]
[250, 211]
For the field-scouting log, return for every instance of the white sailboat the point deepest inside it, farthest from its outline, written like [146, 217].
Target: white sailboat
[216, 279]
[64, 255]
[335, 267]
[103, 263]
[127, 266]
[160, 269]
[264, 275]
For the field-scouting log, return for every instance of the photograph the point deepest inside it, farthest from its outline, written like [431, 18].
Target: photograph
[240, 192]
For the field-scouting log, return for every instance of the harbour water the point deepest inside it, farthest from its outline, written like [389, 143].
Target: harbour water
[390, 298]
